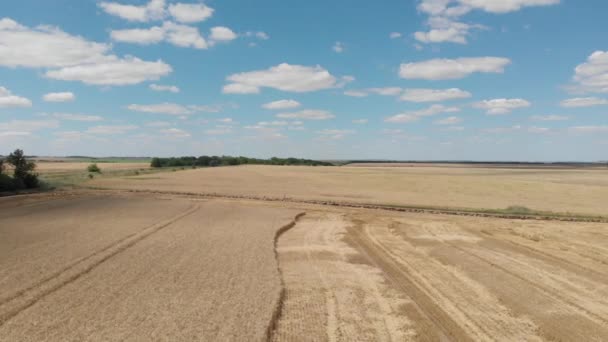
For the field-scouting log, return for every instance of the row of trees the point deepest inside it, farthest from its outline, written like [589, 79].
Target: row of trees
[23, 173]
[213, 161]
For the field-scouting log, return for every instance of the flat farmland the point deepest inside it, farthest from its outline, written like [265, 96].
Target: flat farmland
[572, 190]
[66, 167]
[163, 263]
[126, 268]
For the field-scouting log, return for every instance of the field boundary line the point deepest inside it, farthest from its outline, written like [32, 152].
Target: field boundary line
[25, 298]
[278, 309]
[386, 207]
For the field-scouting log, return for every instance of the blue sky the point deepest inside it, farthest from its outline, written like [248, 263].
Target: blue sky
[428, 80]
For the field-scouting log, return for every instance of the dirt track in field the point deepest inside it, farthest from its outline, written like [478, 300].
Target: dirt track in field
[184, 271]
[376, 277]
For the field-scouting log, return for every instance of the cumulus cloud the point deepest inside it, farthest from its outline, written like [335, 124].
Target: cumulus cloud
[386, 91]
[592, 76]
[412, 116]
[549, 118]
[501, 106]
[114, 71]
[111, 130]
[334, 134]
[158, 124]
[169, 88]
[583, 102]
[433, 95]
[360, 121]
[307, 114]
[190, 13]
[222, 34]
[175, 133]
[154, 10]
[282, 104]
[7, 99]
[77, 117]
[173, 108]
[444, 16]
[59, 97]
[589, 129]
[448, 69]
[284, 77]
[176, 34]
[28, 125]
[394, 35]
[452, 120]
[72, 58]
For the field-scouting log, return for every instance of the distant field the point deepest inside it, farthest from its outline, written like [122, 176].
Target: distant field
[63, 167]
[583, 191]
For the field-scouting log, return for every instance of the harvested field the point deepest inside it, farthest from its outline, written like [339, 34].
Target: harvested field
[575, 191]
[376, 277]
[156, 269]
[46, 168]
[162, 262]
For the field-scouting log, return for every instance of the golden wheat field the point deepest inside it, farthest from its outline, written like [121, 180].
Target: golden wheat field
[263, 253]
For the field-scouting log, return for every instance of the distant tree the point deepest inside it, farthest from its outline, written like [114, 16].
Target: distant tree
[1, 166]
[94, 168]
[156, 162]
[23, 170]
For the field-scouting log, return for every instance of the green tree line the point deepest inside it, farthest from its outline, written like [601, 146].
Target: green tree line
[212, 161]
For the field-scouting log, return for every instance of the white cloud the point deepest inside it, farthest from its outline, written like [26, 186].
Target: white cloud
[386, 91]
[433, 95]
[539, 130]
[158, 124]
[360, 121]
[70, 57]
[589, 129]
[583, 102]
[154, 10]
[190, 13]
[334, 134]
[282, 104]
[59, 97]
[222, 34]
[176, 34]
[549, 118]
[169, 88]
[45, 47]
[444, 15]
[394, 35]
[447, 69]
[412, 116]
[307, 114]
[501, 106]
[452, 120]
[226, 120]
[239, 88]
[111, 130]
[356, 93]
[173, 108]
[152, 35]
[76, 117]
[592, 76]
[338, 47]
[285, 77]
[219, 131]
[28, 125]
[162, 108]
[14, 134]
[175, 133]
[127, 71]
[502, 130]
[7, 99]
[259, 35]
[505, 6]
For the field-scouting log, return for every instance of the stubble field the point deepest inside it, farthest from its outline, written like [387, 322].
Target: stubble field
[153, 257]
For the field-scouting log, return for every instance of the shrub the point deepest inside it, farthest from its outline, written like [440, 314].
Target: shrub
[94, 168]
[7, 183]
[23, 176]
